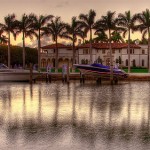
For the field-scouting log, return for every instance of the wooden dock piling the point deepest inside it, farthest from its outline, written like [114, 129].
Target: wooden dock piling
[31, 73]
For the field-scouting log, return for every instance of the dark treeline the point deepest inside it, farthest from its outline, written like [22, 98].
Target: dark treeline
[16, 55]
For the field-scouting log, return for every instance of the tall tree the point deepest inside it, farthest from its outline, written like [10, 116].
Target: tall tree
[116, 37]
[127, 21]
[39, 25]
[9, 27]
[72, 31]
[108, 23]
[56, 29]
[25, 27]
[88, 21]
[144, 26]
[3, 38]
[101, 37]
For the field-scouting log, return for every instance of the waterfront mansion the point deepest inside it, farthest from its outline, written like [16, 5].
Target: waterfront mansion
[100, 54]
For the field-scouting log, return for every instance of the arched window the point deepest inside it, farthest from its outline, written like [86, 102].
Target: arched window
[126, 62]
[142, 62]
[86, 61]
[134, 63]
[143, 51]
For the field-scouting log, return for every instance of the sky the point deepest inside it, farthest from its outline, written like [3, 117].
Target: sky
[66, 9]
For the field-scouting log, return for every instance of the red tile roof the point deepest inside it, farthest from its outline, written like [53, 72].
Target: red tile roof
[53, 46]
[106, 46]
[94, 45]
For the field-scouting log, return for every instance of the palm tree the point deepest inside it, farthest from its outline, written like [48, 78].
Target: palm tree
[144, 26]
[3, 38]
[9, 27]
[72, 31]
[25, 27]
[101, 37]
[88, 21]
[39, 25]
[127, 21]
[56, 29]
[107, 23]
[116, 37]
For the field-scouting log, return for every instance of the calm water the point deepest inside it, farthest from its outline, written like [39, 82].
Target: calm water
[75, 117]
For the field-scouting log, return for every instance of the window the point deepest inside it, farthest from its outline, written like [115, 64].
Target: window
[143, 51]
[130, 51]
[54, 51]
[134, 63]
[113, 51]
[126, 62]
[85, 51]
[119, 50]
[142, 62]
[133, 51]
[103, 51]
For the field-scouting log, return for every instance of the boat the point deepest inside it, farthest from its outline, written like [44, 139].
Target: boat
[7, 74]
[100, 71]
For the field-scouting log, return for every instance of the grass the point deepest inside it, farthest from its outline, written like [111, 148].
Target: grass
[137, 70]
[133, 70]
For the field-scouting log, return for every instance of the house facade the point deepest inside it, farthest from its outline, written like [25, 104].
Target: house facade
[100, 54]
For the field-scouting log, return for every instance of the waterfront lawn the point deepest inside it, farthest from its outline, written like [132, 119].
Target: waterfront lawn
[137, 70]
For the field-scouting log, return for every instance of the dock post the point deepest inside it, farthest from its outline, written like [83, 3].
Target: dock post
[116, 80]
[68, 72]
[48, 74]
[82, 78]
[64, 73]
[31, 73]
[99, 81]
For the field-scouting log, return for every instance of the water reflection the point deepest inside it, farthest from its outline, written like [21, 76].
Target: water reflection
[74, 116]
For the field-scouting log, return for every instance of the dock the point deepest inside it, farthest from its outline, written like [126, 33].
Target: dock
[76, 76]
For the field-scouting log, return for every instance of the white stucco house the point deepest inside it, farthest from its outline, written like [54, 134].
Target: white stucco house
[100, 53]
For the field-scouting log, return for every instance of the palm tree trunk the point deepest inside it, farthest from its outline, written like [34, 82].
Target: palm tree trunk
[56, 58]
[39, 54]
[74, 54]
[91, 61]
[23, 56]
[129, 68]
[148, 53]
[111, 61]
[9, 49]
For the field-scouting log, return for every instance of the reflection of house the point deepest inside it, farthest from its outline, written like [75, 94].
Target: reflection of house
[100, 53]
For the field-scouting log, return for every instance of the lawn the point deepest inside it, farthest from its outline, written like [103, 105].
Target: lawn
[137, 70]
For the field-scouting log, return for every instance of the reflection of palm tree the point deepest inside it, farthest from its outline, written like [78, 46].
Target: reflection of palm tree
[74, 108]
[56, 29]
[144, 27]
[88, 25]
[55, 121]
[127, 22]
[39, 26]
[9, 27]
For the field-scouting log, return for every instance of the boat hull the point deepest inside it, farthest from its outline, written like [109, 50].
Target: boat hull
[17, 76]
[100, 72]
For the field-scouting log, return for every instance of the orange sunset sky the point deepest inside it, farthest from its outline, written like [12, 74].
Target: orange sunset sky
[67, 9]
